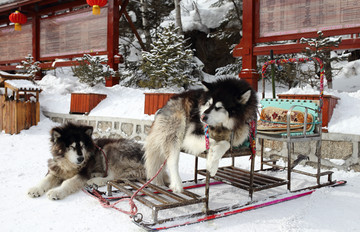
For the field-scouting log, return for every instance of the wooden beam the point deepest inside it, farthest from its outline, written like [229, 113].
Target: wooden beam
[245, 48]
[338, 32]
[346, 44]
[113, 32]
[64, 6]
[36, 37]
[50, 65]
[133, 28]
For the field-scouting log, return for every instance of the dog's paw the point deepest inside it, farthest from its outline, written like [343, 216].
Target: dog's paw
[36, 192]
[212, 166]
[98, 182]
[55, 194]
[176, 187]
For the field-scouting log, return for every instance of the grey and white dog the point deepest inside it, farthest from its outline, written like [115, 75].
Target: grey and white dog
[226, 105]
[78, 161]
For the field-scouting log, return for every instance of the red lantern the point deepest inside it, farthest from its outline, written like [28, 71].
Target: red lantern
[96, 4]
[18, 18]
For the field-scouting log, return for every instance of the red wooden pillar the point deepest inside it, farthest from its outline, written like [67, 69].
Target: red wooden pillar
[35, 37]
[112, 39]
[246, 45]
[35, 30]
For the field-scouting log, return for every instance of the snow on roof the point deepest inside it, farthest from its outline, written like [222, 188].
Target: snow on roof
[3, 2]
[23, 84]
[13, 75]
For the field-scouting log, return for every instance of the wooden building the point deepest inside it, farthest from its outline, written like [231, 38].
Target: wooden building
[61, 30]
[287, 22]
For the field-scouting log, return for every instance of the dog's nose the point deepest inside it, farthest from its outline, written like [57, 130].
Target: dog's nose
[80, 159]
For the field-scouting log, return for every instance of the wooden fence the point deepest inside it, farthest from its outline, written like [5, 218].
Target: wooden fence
[155, 101]
[83, 103]
[17, 115]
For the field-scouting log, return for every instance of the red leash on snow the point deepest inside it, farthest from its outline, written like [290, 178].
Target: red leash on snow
[133, 209]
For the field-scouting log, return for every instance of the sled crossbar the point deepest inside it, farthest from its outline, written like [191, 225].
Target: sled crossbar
[241, 178]
[155, 197]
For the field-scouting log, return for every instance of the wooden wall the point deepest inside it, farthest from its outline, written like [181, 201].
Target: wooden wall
[17, 115]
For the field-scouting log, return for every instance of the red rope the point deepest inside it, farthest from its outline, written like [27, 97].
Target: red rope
[297, 60]
[133, 209]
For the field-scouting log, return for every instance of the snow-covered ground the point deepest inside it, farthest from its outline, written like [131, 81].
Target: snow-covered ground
[23, 162]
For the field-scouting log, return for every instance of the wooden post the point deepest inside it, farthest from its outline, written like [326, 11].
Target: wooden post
[35, 36]
[246, 46]
[35, 31]
[112, 37]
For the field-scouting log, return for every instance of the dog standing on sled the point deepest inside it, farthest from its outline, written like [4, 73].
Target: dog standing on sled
[78, 160]
[226, 105]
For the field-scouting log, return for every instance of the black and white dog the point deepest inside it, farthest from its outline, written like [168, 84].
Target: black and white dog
[78, 161]
[226, 105]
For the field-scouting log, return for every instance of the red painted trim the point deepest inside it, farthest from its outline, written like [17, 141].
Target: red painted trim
[297, 47]
[245, 48]
[36, 37]
[337, 32]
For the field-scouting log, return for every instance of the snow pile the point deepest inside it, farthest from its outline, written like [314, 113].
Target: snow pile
[199, 15]
[23, 84]
[349, 77]
[127, 102]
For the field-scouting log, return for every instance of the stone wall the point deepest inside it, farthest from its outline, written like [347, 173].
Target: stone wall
[339, 151]
[107, 127]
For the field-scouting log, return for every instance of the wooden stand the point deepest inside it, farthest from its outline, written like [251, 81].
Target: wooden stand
[155, 101]
[18, 112]
[83, 103]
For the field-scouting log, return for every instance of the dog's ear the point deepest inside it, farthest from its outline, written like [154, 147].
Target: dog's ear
[244, 98]
[207, 86]
[89, 130]
[55, 134]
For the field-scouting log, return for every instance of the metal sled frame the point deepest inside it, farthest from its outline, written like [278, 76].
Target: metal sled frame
[290, 138]
[249, 180]
[155, 197]
[306, 106]
[159, 198]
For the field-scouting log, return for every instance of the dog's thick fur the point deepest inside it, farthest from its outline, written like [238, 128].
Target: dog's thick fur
[227, 105]
[78, 161]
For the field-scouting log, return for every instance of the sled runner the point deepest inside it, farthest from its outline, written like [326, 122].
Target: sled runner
[197, 217]
[226, 211]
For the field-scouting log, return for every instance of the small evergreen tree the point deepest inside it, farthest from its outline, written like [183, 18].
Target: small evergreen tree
[28, 66]
[230, 69]
[92, 70]
[321, 47]
[169, 62]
